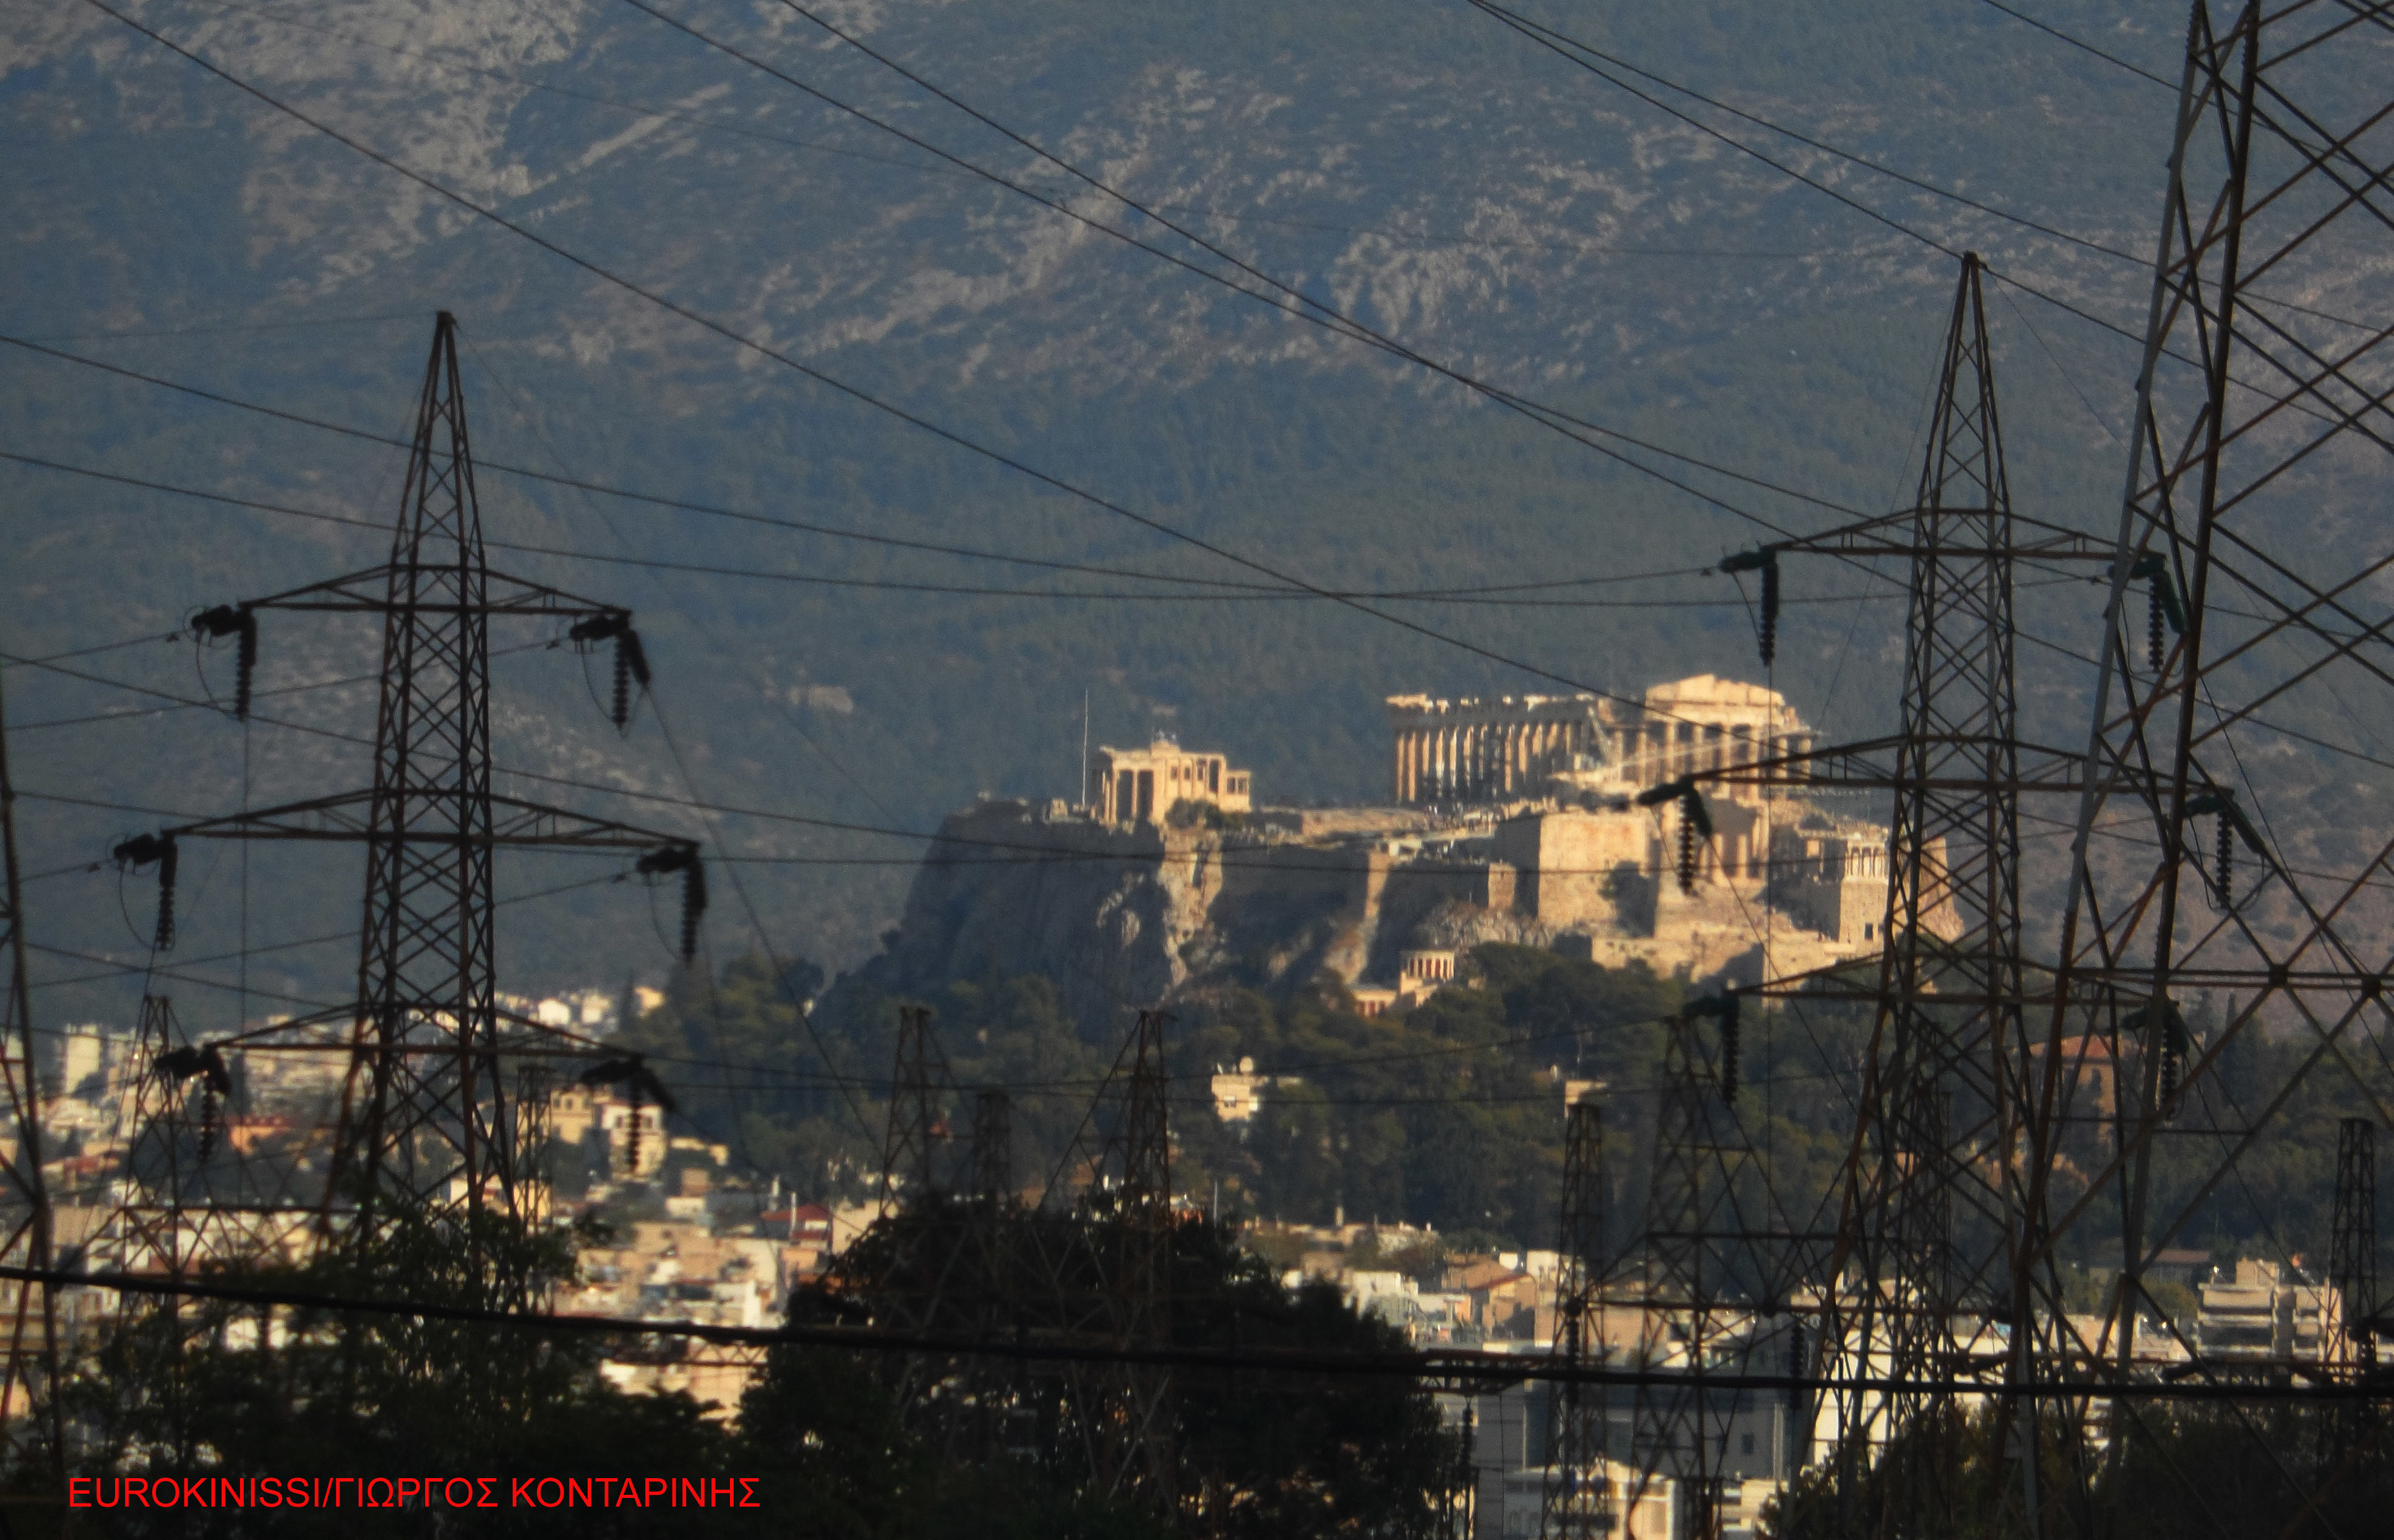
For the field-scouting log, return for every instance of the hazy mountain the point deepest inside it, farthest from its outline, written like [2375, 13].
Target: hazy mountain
[1420, 168]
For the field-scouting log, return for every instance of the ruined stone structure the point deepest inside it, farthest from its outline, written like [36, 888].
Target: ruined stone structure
[1142, 785]
[1138, 905]
[1531, 746]
[1829, 874]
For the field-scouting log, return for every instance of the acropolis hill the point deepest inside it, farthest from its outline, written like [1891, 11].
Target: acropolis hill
[1506, 822]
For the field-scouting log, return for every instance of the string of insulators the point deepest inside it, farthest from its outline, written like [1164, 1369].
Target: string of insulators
[2233, 826]
[2173, 1044]
[1723, 1007]
[1695, 822]
[139, 851]
[216, 1082]
[1795, 1365]
[2161, 604]
[640, 1085]
[208, 1062]
[1766, 563]
[631, 658]
[226, 620]
[682, 859]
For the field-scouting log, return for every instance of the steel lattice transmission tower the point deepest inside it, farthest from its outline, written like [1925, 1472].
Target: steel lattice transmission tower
[919, 1083]
[993, 1147]
[1947, 1092]
[29, 1312]
[2257, 422]
[1941, 1202]
[189, 1195]
[923, 1240]
[1138, 1230]
[1707, 1261]
[427, 1121]
[1578, 1502]
[1101, 1275]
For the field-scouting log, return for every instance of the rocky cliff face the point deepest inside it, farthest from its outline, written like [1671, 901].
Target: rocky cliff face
[1125, 916]
[1121, 917]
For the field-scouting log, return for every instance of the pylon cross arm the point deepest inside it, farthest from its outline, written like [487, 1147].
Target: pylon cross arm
[515, 824]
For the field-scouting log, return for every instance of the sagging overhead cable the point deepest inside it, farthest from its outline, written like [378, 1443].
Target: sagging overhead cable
[631, 658]
[685, 860]
[1765, 562]
[239, 621]
[139, 851]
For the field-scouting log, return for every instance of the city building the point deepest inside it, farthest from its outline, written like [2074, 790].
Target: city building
[1513, 1440]
[2263, 1314]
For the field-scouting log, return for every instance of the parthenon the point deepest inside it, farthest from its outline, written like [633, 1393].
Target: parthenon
[1533, 745]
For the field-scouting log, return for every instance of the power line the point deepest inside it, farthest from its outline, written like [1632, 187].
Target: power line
[1418, 240]
[1046, 852]
[1522, 23]
[525, 473]
[1477, 1367]
[1298, 305]
[856, 393]
[168, 636]
[1567, 47]
[748, 516]
[1247, 594]
[254, 948]
[2169, 85]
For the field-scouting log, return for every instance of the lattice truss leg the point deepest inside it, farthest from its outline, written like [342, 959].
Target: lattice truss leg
[2254, 506]
[1928, 1275]
[29, 1312]
[1578, 1503]
[1711, 1227]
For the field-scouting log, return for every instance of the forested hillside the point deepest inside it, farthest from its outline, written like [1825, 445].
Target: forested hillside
[1448, 1116]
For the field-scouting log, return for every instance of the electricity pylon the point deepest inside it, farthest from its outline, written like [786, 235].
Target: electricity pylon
[2256, 419]
[919, 1085]
[29, 1312]
[1100, 1274]
[1578, 1500]
[2352, 1249]
[1941, 1200]
[427, 1123]
[190, 1194]
[1707, 1263]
